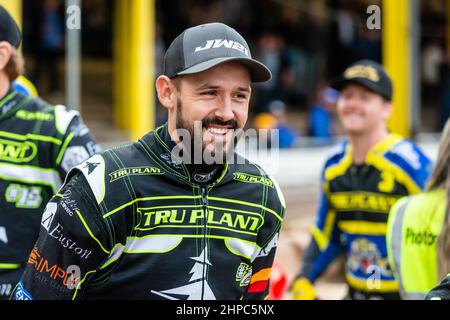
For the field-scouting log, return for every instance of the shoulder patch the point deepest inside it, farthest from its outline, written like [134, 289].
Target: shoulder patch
[93, 170]
[406, 150]
[273, 243]
[279, 192]
[338, 160]
[267, 179]
[63, 117]
[73, 156]
[336, 150]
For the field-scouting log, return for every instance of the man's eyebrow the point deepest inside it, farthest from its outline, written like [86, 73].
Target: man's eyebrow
[208, 86]
[244, 89]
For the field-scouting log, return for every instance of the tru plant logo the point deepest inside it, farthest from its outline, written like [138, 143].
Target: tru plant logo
[373, 22]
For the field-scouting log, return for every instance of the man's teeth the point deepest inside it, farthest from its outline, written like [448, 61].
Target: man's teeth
[218, 130]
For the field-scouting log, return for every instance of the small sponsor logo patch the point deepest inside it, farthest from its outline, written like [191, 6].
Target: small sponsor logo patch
[21, 293]
[134, 171]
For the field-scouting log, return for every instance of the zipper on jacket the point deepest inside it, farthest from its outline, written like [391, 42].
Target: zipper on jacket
[204, 190]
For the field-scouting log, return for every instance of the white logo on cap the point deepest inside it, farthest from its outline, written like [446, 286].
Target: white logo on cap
[217, 43]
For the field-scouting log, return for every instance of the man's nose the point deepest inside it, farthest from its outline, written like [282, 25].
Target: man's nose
[225, 110]
[351, 103]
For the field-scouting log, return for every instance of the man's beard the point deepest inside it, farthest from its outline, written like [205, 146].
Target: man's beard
[220, 151]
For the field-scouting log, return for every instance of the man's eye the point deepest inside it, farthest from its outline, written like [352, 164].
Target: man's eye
[241, 96]
[209, 93]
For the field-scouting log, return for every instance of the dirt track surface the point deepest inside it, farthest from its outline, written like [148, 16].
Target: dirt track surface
[300, 215]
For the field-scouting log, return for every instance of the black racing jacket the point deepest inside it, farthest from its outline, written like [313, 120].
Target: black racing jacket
[131, 223]
[441, 291]
[39, 144]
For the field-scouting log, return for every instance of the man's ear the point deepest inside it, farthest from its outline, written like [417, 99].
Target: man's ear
[5, 54]
[166, 91]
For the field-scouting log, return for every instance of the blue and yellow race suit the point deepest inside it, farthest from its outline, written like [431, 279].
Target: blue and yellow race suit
[353, 213]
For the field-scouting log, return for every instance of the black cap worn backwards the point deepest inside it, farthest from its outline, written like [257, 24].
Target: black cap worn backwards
[9, 31]
[368, 73]
[202, 47]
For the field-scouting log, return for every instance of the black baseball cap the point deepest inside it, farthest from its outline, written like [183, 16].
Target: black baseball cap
[9, 31]
[204, 46]
[368, 73]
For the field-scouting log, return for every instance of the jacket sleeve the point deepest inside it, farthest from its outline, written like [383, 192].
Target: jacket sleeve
[77, 145]
[415, 165]
[268, 235]
[325, 243]
[72, 244]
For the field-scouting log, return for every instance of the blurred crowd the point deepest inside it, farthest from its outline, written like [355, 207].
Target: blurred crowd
[305, 44]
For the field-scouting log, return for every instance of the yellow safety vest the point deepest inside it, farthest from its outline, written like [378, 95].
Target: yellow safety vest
[414, 226]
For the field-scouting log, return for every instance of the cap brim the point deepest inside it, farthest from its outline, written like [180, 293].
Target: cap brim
[340, 83]
[258, 71]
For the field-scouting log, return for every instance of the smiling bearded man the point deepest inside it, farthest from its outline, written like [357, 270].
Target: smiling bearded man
[160, 228]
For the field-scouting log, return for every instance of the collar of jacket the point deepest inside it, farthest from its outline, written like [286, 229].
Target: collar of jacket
[161, 144]
[11, 102]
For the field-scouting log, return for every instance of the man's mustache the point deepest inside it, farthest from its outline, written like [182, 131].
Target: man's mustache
[232, 124]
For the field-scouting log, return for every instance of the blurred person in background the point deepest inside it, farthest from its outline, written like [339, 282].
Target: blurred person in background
[418, 235]
[367, 44]
[39, 143]
[276, 119]
[287, 135]
[433, 57]
[321, 114]
[341, 40]
[272, 51]
[362, 178]
[51, 45]
[265, 122]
